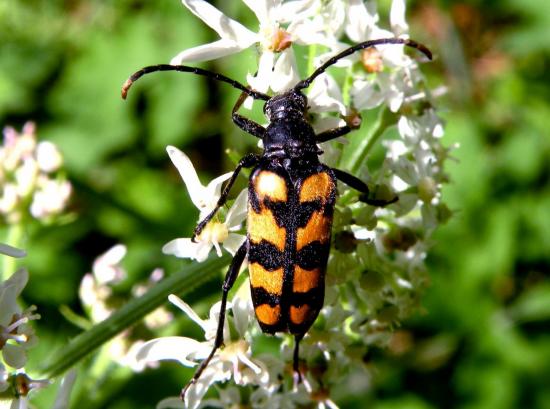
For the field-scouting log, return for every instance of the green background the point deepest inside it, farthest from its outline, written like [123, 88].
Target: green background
[481, 340]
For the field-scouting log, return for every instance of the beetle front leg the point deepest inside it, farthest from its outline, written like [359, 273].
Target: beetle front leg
[362, 187]
[248, 161]
[333, 133]
[353, 121]
[228, 282]
[247, 125]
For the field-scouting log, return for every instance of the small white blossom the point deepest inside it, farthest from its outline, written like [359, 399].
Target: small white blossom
[48, 157]
[50, 198]
[15, 335]
[62, 399]
[95, 287]
[107, 269]
[28, 175]
[277, 67]
[97, 296]
[205, 199]
[21, 385]
[232, 361]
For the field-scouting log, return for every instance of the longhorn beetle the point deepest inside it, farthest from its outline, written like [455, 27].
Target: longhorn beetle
[291, 198]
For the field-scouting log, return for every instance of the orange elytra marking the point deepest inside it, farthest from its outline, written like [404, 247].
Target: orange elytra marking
[271, 185]
[299, 314]
[263, 226]
[305, 280]
[317, 186]
[267, 314]
[271, 281]
[317, 228]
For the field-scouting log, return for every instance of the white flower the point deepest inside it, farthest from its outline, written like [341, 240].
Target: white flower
[390, 87]
[48, 157]
[21, 385]
[325, 96]
[106, 267]
[50, 198]
[277, 73]
[232, 361]
[95, 287]
[64, 392]
[27, 176]
[15, 335]
[205, 199]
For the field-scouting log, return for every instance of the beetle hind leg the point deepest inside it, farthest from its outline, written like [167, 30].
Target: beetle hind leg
[297, 375]
[228, 282]
[362, 187]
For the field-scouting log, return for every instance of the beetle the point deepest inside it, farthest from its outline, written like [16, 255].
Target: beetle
[291, 199]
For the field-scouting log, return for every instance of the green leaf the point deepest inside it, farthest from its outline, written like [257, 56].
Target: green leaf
[180, 283]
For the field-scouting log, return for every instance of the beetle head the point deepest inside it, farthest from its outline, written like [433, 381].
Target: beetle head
[291, 104]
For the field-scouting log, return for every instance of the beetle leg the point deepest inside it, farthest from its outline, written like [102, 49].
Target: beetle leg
[353, 121]
[332, 134]
[296, 360]
[247, 125]
[228, 282]
[362, 187]
[246, 162]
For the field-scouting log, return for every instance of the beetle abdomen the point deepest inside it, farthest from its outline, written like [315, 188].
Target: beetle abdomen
[289, 226]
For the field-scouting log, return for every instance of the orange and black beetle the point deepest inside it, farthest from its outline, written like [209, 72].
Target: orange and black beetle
[291, 198]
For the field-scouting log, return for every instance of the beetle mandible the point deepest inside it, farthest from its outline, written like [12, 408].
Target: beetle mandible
[291, 198]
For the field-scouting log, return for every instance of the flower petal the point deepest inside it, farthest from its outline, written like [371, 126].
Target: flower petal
[365, 95]
[186, 308]
[213, 191]
[9, 291]
[173, 402]
[64, 392]
[325, 95]
[397, 17]
[226, 27]
[173, 348]
[207, 52]
[291, 11]
[233, 242]
[237, 213]
[261, 81]
[14, 355]
[285, 72]
[263, 9]
[361, 19]
[187, 172]
[8, 250]
[185, 248]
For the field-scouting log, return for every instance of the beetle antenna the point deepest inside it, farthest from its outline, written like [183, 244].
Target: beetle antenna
[361, 46]
[195, 70]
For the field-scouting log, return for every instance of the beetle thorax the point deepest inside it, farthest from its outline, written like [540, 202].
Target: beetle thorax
[291, 104]
[289, 134]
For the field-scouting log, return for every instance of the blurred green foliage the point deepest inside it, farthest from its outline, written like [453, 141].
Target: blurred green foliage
[482, 340]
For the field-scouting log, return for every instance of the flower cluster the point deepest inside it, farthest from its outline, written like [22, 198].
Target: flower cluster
[30, 177]
[99, 301]
[31, 186]
[376, 270]
[16, 338]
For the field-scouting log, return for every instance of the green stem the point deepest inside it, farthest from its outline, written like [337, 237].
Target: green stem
[180, 283]
[312, 52]
[360, 151]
